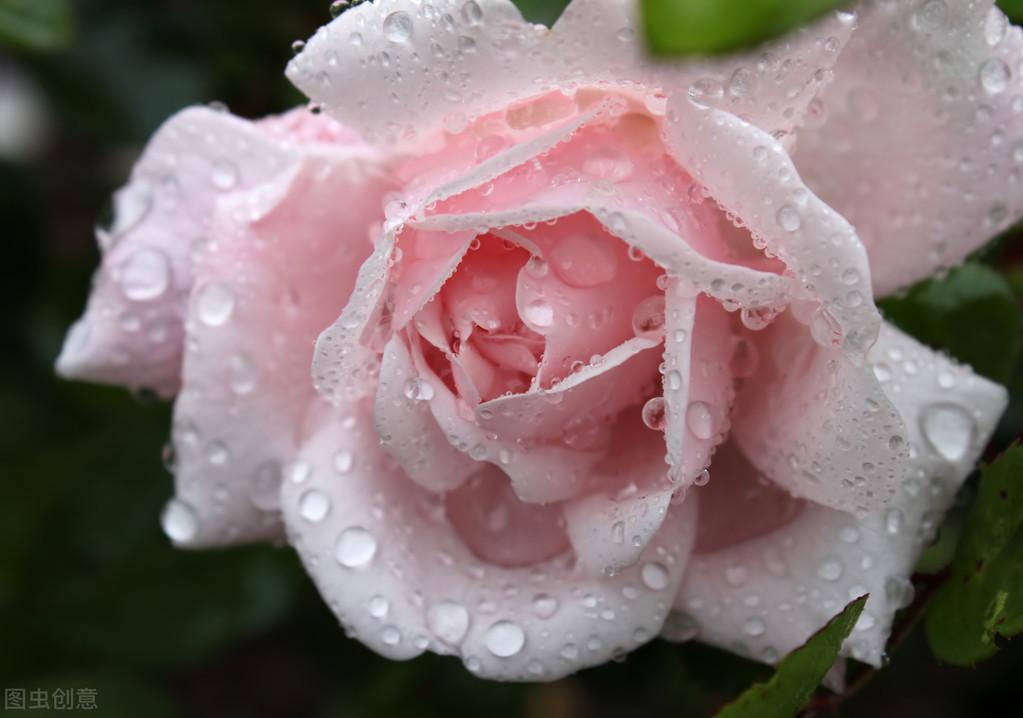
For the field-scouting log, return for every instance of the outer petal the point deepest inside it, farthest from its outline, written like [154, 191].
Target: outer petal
[132, 332]
[456, 60]
[820, 426]
[750, 174]
[264, 289]
[764, 595]
[922, 139]
[402, 581]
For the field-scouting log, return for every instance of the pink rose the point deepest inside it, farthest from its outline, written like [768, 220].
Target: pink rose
[596, 351]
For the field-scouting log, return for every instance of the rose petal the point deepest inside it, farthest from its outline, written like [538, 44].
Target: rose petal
[401, 580]
[750, 173]
[265, 288]
[767, 594]
[132, 333]
[818, 425]
[925, 103]
[482, 56]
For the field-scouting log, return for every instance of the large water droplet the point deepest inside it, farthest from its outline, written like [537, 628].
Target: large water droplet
[215, 304]
[648, 318]
[225, 174]
[539, 315]
[544, 606]
[654, 576]
[314, 506]
[449, 621]
[179, 521]
[654, 413]
[343, 461]
[355, 548]
[789, 219]
[418, 389]
[995, 75]
[700, 420]
[398, 27]
[830, 569]
[582, 260]
[504, 639]
[948, 429]
[145, 275]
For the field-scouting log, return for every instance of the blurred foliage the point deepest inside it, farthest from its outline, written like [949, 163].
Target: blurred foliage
[982, 601]
[36, 24]
[971, 314]
[1012, 8]
[691, 27]
[92, 594]
[543, 11]
[799, 673]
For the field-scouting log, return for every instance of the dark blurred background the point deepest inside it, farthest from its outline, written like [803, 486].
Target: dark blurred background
[91, 593]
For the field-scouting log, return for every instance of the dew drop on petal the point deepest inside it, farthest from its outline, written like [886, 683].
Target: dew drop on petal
[654, 413]
[215, 304]
[145, 275]
[355, 547]
[449, 621]
[948, 429]
[505, 639]
[179, 521]
[648, 318]
[539, 315]
[314, 506]
[582, 260]
[654, 576]
[398, 27]
[700, 420]
[418, 389]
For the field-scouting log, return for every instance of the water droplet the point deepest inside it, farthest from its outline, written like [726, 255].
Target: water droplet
[544, 606]
[378, 606]
[582, 260]
[391, 636]
[449, 621]
[654, 576]
[504, 639]
[215, 304]
[700, 420]
[789, 219]
[225, 174]
[314, 506]
[472, 14]
[539, 315]
[145, 275]
[398, 27]
[418, 389]
[893, 521]
[995, 75]
[830, 569]
[948, 429]
[242, 378]
[179, 521]
[654, 414]
[343, 461]
[648, 318]
[355, 547]
[754, 627]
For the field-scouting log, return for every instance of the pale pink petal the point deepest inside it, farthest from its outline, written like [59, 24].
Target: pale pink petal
[483, 57]
[132, 332]
[265, 288]
[750, 174]
[764, 595]
[818, 425]
[407, 429]
[697, 386]
[921, 138]
[402, 580]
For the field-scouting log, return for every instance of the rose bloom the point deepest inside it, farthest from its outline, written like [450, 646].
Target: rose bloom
[536, 348]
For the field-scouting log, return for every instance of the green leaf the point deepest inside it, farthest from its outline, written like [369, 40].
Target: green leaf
[542, 11]
[686, 27]
[1012, 8]
[982, 601]
[36, 24]
[799, 673]
[972, 314]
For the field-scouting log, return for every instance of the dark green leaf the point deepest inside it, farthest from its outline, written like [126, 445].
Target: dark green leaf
[545, 11]
[35, 24]
[1012, 8]
[983, 599]
[971, 314]
[799, 673]
[686, 27]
